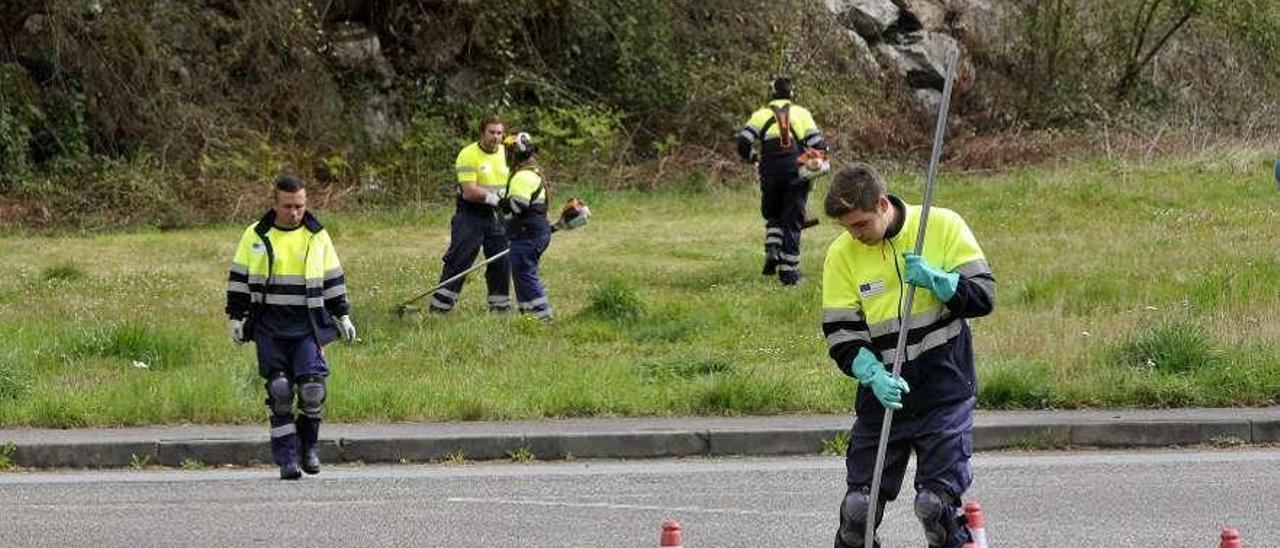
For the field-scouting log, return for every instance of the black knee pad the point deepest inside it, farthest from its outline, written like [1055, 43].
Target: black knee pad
[280, 395]
[311, 394]
[938, 513]
[853, 518]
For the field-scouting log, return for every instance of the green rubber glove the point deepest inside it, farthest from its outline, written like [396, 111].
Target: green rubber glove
[869, 371]
[921, 274]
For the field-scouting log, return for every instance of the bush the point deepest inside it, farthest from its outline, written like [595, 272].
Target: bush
[616, 300]
[1175, 348]
[16, 102]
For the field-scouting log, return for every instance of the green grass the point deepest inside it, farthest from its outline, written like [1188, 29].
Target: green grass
[1103, 268]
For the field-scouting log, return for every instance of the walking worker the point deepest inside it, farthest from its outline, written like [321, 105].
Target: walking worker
[785, 131]
[287, 293]
[482, 175]
[864, 283]
[524, 206]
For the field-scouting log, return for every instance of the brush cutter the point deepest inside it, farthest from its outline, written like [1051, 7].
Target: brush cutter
[575, 214]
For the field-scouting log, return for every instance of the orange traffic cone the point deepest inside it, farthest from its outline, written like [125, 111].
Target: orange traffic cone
[1230, 538]
[975, 521]
[671, 535]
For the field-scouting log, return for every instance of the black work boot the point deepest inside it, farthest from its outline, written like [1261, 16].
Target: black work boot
[770, 263]
[311, 459]
[290, 471]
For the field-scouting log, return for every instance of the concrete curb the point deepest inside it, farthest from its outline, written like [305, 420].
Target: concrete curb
[621, 438]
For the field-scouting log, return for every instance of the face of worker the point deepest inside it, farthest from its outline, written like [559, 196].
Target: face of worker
[868, 226]
[289, 207]
[491, 137]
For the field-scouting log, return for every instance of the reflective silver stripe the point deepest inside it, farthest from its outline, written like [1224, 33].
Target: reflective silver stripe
[988, 286]
[287, 300]
[452, 295]
[542, 314]
[973, 268]
[784, 267]
[813, 132]
[540, 301]
[773, 240]
[257, 279]
[239, 269]
[315, 302]
[332, 273]
[841, 315]
[237, 287]
[918, 320]
[437, 303]
[845, 336]
[284, 430]
[747, 134]
[335, 291]
[500, 300]
[289, 280]
[933, 340]
[471, 169]
[789, 258]
[255, 297]
[773, 231]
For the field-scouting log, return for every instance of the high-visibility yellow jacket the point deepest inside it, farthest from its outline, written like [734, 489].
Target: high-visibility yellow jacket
[863, 289]
[295, 270]
[487, 169]
[779, 146]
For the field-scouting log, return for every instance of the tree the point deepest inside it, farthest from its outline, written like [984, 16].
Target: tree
[1150, 24]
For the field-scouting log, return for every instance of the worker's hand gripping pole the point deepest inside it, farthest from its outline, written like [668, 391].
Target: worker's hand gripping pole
[904, 329]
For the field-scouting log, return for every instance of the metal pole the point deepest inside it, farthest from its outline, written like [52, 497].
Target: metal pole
[905, 327]
[473, 268]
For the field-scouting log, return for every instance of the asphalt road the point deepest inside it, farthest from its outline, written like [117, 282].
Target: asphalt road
[1168, 498]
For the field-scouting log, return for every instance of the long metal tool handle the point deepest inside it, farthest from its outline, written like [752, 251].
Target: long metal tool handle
[905, 327]
[473, 268]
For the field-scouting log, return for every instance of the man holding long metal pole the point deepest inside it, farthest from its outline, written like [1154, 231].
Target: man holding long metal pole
[867, 273]
[868, 298]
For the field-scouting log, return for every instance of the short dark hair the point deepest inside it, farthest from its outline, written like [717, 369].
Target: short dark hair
[488, 120]
[289, 183]
[781, 88]
[857, 187]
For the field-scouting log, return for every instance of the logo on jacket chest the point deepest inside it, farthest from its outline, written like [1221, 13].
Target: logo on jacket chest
[871, 289]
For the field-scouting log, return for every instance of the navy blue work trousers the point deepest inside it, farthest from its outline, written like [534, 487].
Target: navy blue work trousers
[471, 231]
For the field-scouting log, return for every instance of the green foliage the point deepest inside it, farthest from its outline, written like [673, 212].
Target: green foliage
[1017, 386]
[837, 446]
[64, 272]
[617, 300]
[155, 347]
[139, 462]
[6, 455]
[1175, 347]
[521, 454]
[682, 367]
[16, 105]
[14, 383]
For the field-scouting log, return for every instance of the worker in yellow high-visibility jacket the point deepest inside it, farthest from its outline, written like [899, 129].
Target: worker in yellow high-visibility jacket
[864, 280]
[287, 293]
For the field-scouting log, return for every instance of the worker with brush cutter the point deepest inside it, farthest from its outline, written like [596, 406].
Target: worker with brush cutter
[524, 207]
[865, 277]
[792, 153]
